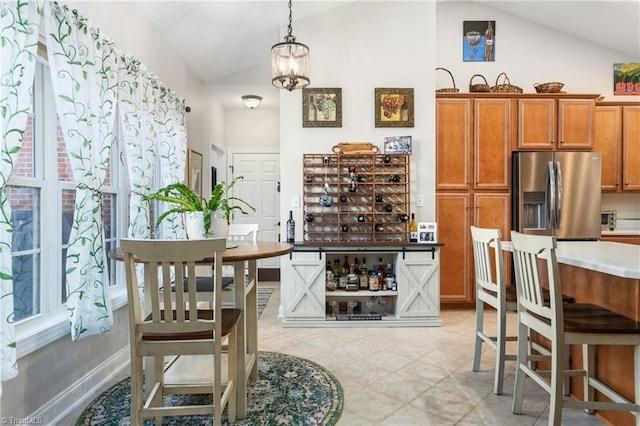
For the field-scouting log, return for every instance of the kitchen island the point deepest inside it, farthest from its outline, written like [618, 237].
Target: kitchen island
[606, 274]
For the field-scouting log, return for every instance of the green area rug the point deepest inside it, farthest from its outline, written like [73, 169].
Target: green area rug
[289, 391]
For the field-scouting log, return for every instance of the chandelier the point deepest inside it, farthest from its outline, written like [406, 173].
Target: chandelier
[290, 62]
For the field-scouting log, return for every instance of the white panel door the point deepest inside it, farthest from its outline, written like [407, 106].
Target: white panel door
[261, 172]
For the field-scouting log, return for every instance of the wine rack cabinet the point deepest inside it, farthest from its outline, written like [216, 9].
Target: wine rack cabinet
[355, 198]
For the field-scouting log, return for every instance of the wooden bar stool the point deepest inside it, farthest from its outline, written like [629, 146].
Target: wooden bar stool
[565, 324]
[492, 290]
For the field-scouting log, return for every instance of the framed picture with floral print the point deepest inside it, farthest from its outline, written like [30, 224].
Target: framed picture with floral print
[322, 107]
[394, 107]
[194, 171]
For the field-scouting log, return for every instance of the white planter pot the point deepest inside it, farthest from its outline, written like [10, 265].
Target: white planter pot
[219, 226]
[194, 224]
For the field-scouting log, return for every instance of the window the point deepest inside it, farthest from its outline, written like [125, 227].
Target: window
[42, 195]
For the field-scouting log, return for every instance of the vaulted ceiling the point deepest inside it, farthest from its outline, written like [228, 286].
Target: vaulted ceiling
[227, 43]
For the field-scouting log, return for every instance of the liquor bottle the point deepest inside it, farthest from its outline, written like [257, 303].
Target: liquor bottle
[390, 278]
[379, 227]
[291, 228]
[337, 267]
[364, 275]
[356, 263]
[380, 271]
[374, 284]
[413, 229]
[346, 265]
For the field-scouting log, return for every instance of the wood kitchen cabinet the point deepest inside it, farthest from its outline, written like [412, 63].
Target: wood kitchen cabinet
[473, 140]
[453, 142]
[493, 131]
[474, 136]
[617, 138]
[556, 123]
[455, 213]
[608, 142]
[631, 148]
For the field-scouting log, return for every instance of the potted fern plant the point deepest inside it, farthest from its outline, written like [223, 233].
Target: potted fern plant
[199, 211]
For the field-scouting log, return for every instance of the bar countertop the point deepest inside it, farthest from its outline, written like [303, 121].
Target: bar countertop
[619, 259]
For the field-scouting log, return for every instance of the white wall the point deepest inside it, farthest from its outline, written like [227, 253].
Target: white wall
[359, 47]
[133, 34]
[527, 52]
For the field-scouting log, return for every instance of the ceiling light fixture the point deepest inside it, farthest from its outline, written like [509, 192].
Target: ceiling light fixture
[290, 62]
[251, 101]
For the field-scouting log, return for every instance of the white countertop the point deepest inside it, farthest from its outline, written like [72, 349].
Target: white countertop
[621, 231]
[619, 259]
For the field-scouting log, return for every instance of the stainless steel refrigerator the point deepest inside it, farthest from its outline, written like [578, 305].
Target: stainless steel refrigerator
[557, 193]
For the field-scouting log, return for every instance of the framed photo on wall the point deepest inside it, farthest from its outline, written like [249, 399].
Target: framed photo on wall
[194, 171]
[322, 107]
[394, 107]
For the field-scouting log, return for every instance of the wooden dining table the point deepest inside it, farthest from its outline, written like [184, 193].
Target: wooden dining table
[244, 256]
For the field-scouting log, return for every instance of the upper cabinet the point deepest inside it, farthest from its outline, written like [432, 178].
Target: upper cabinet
[617, 138]
[608, 142]
[554, 123]
[473, 143]
[453, 142]
[631, 148]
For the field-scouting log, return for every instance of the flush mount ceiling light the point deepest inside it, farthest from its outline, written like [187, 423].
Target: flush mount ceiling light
[290, 62]
[251, 101]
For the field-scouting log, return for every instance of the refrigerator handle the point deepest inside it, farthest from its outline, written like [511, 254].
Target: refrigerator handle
[559, 191]
[551, 195]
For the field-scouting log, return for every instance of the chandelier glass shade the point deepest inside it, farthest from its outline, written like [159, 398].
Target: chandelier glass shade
[290, 62]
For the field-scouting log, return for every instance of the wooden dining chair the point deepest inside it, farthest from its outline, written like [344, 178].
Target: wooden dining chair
[491, 289]
[172, 325]
[565, 324]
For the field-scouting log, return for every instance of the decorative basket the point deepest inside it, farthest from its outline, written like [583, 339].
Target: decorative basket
[551, 87]
[482, 87]
[506, 86]
[347, 148]
[453, 89]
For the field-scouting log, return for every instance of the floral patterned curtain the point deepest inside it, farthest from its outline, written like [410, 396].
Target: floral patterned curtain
[136, 106]
[19, 28]
[172, 149]
[85, 83]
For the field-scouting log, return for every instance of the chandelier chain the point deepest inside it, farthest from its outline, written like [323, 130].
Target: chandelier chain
[290, 29]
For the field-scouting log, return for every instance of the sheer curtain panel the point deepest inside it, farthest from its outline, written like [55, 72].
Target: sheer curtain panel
[84, 70]
[19, 28]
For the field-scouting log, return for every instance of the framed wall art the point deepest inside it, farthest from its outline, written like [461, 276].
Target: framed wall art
[394, 107]
[478, 41]
[194, 171]
[322, 107]
[626, 79]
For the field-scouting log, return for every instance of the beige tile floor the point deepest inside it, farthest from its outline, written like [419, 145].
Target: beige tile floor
[408, 376]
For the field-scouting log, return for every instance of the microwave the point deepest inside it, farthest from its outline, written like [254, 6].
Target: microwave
[608, 220]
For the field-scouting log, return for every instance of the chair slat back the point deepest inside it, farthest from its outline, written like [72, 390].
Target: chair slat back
[243, 232]
[528, 252]
[489, 273]
[166, 262]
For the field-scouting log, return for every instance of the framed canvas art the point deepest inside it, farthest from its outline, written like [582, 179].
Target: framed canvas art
[322, 107]
[194, 171]
[478, 41]
[626, 79]
[394, 107]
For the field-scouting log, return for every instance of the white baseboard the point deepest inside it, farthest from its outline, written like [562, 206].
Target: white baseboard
[81, 391]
